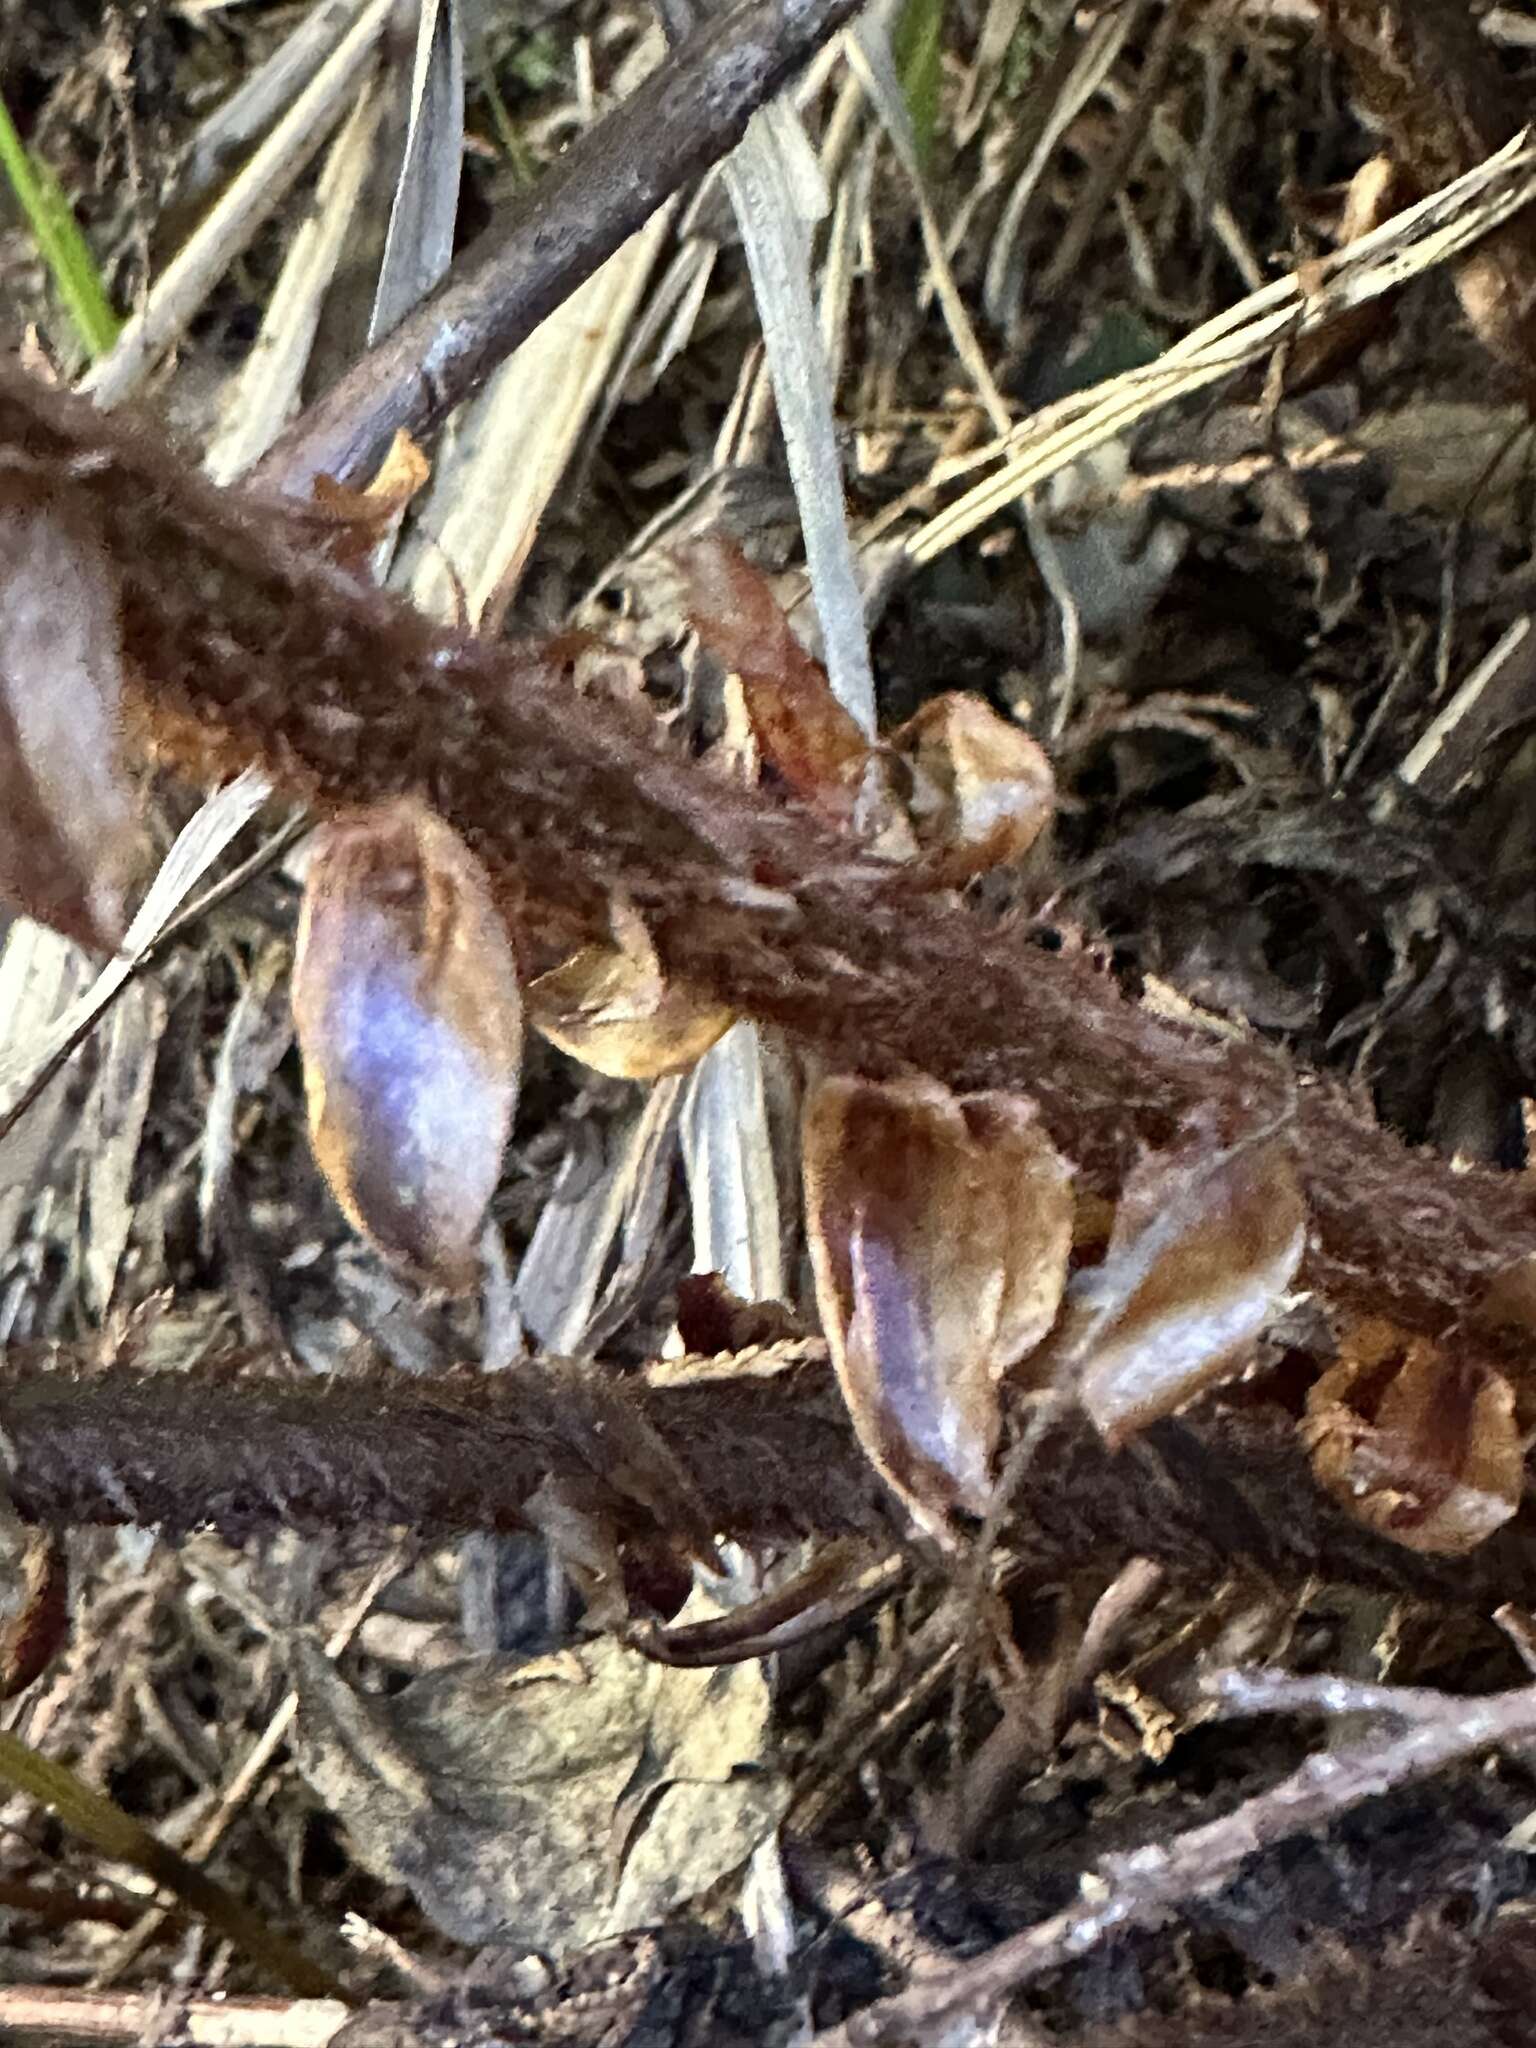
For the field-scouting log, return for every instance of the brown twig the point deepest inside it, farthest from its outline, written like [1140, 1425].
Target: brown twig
[684, 118]
[251, 648]
[757, 1448]
[1149, 1886]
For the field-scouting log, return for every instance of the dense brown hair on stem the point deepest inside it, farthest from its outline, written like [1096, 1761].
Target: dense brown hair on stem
[759, 1448]
[250, 648]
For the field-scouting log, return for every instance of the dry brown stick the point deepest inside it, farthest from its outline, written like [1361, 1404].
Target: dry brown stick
[684, 118]
[1149, 1886]
[755, 1455]
[251, 649]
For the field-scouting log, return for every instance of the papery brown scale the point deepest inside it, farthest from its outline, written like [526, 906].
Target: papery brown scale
[406, 1004]
[983, 790]
[802, 732]
[939, 1228]
[1206, 1238]
[612, 1008]
[349, 522]
[67, 829]
[1420, 1444]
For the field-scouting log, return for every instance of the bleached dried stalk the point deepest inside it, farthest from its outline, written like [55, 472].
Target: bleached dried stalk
[1149, 1886]
[1441, 229]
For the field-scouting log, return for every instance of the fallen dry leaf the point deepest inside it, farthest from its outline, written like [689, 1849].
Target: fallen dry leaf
[940, 1228]
[66, 806]
[982, 789]
[1420, 1444]
[1205, 1240]
[551, 1802]
[612, 1008]
[406, 1005]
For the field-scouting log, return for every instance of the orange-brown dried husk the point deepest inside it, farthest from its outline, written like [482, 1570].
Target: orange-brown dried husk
[406, 1004]
[352, 522]
[940, 1228]
[1417, 1442]
[67, 813]
[1205, 1241]
[612, 1008]
[800, 729]
[983, 790]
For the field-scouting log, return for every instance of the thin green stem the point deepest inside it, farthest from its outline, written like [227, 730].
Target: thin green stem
[59, 241]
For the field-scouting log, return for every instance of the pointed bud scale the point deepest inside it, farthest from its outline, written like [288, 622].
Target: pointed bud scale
[982, 790]
[66, 807]
[803, 734]
[1205, 1241]
[1418, 1443]
[406, 1004]
[940, 1228]
[612, 1008]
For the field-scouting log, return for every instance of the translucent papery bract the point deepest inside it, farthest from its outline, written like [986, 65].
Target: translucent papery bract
[1205, 1241]
[66, 807]
[612, 1008]
[406, 1004]
[940, 1228]
[802, 732]
[1418, 1443]
[983, 790]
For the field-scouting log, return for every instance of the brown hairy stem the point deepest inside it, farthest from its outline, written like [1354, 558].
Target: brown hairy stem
[757, 1448]
[251, 648]
[684, 118]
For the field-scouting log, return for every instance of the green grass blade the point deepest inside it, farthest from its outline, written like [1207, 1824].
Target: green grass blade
[59, 241]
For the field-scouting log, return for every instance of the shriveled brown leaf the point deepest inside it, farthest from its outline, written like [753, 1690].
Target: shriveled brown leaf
[1421, 1444]
[66, 807]
[355, 521]
[34, 1602]
[982, 790]
[612, 1008]
[406, 1004]
[803, 735]
[1205, 1240]
[551, 1802]
[940, 1228]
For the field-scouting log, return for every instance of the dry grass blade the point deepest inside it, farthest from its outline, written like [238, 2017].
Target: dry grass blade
[264, 394]
[419, 245]
[1436, 231]
[32, 2012]
[27, 1070]
[259, 101]
[769, 179]
[103, 1823]
[239, 212]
